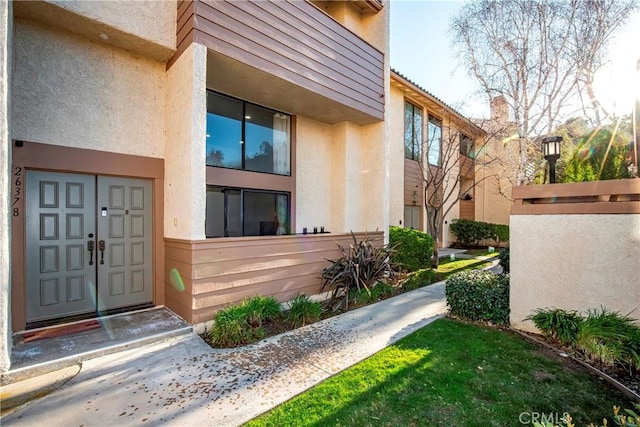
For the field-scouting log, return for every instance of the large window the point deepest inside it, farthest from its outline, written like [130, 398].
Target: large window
[412, 131]
[434, 134]
[412, 217]
[245, 136]
[233, 212]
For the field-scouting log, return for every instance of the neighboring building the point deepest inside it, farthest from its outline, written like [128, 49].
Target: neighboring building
[172, 153]
[416, 118]
[500, 159]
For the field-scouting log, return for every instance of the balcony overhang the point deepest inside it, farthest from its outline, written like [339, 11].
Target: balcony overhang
[287, 55]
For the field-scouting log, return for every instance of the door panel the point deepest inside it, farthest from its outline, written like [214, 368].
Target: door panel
[124, 223]
[60, 215]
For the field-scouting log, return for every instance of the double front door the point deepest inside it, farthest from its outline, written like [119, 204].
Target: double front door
[88, 244]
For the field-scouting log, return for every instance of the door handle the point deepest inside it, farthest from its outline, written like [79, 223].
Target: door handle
[91, 245]
[101, 246]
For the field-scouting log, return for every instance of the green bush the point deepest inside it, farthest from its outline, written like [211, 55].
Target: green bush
[242, 323]
[413, 249]
[602, 336]
[303, 310]
[479, 295]
[419, 279]
[558, 324]
[377, 292]
[471, 233]
[361, 266]
[504, 260]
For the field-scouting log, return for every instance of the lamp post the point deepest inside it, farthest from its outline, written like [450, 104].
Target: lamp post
[551, 150]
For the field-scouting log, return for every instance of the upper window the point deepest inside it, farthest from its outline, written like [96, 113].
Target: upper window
[466, 146]
[412, 131]
[435, 141]
[245, 136]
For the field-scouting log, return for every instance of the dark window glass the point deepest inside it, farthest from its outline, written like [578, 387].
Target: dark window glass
[412, 131]
[245, 136]
[435, 141]
[466, 146]
[233, 212]
[224, 131]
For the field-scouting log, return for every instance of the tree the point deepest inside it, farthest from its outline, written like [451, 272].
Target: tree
[451, 153]
[540, 55]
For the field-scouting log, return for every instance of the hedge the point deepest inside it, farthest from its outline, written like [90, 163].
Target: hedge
[479, 295]
[413, 249]
[471, 233]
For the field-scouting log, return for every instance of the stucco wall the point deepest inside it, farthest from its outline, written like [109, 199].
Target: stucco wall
[396, 157]
[74, 92]
[5, 184]
[575, 262]
[153, 20]
[185, 180]
[314, 193]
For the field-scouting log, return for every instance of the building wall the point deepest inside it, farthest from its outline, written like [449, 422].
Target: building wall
[185, 181]
[153, 20]
[6, 31]
[315, 196]
[574, 262]
[74, 92]
[397, 161]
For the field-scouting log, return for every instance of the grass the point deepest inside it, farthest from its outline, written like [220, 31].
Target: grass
[450, 373]
[482, 252]
[446, 267]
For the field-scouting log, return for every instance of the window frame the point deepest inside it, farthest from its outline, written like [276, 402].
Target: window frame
[243, 133]
[434, 121]
[416, 145]
[226, 189]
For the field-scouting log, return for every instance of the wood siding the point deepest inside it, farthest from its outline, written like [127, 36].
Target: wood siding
[467, 209]
[620, 196]
[292, 40]
[467, 167]
[412, 182]
[218, 272]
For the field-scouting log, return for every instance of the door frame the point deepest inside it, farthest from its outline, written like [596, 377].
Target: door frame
[55, 158]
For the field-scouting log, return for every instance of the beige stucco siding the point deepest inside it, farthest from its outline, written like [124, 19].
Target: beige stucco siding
[314, 193]
[574, 262]
[185, 179]
[5, 184]
[396, 161]
[153, 20]
[73, 92]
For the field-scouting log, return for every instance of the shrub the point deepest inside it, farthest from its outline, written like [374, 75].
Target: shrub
[504, 260]
[377, 292]
[413, 249]
[479, 295]
[242, 323]
[360, 267]
[420, 278]
[603, 336]
[558, 324]
[303, 310]
[471, 233]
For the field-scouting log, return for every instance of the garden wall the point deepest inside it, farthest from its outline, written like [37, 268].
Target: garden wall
[575, 246]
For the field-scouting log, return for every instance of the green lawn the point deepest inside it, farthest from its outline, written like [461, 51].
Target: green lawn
[448, 267]
[482, 252]
[450, 374]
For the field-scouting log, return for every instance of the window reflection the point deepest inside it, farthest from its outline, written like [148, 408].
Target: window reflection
[224, 131]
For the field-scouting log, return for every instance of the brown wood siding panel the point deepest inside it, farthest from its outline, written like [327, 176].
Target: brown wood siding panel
[218, 272]
[467, 210]
[325, 58]
[412, 182]
[620, 196]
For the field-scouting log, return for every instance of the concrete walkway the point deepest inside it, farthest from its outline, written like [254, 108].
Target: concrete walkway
[183, 381]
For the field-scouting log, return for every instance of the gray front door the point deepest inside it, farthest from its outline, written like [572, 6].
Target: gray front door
[88, 244]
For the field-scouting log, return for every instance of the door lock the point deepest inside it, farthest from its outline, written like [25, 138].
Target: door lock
[101, 247]
[91, 245]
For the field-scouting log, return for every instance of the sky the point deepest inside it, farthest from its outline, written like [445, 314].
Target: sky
[421, 50]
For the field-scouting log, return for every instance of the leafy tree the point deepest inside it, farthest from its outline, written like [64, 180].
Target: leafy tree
[540, 55]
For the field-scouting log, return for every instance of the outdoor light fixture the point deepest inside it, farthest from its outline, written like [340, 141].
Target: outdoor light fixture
[414, 197]
[551, 150]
